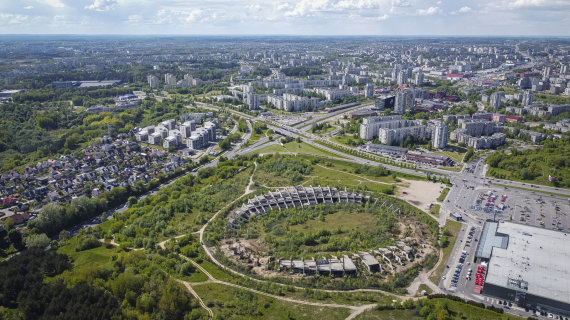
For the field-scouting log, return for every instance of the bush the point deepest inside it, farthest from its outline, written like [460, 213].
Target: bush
[89, 242]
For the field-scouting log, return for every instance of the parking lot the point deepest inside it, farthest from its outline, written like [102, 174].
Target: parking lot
[530, 208]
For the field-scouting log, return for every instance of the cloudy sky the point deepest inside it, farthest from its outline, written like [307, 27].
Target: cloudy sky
[311, 17]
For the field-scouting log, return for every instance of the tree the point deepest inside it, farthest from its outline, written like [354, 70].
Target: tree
[16, 238]
[132, 201]
[39, 241]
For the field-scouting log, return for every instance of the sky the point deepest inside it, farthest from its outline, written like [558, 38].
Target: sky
[295, 17]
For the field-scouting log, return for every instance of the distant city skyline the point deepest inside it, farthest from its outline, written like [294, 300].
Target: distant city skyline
[287, 17]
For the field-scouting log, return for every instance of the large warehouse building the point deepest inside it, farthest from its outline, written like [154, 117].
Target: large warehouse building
[529, 266]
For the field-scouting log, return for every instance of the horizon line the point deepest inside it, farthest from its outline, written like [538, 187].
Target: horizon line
[279, 35]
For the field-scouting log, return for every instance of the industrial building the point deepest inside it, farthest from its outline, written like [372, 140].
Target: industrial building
[526, 265]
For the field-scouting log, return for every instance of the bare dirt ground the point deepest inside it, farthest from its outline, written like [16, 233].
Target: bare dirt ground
[421, 193]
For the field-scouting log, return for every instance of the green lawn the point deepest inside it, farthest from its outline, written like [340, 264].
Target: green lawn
[296, 148]
[343, 222]
[443, 195]
[454, 227]
[215, 271]
[100, 256]
[388, 315]
[435, 209]
[422, 287]
[347, 140]
[233, 303]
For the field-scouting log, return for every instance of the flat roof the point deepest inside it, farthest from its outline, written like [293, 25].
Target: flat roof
[536, 257]
[490, 239]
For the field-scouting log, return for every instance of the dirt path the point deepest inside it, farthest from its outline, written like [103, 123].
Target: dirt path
[189, 287]
[355, 309]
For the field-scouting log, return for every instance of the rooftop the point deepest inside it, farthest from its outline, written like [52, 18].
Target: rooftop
[535, 257]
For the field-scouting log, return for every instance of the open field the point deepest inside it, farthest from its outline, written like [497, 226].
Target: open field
[421, 193]
[453, 227]
[296, 148]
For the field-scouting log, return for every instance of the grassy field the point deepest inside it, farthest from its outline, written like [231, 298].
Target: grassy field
[339, 226]
[457, 310]
[388, 315]
[297, 148]
[100, 256]
[331, 176]
[435, 209]
[422, 287]
[345, 140]
[444, 193]
[228, 303]
[454, 227]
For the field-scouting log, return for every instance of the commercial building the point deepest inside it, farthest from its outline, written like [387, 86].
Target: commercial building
[526, 265]
[362, 113]
[429, 158]
[389, 151]
[385, 102]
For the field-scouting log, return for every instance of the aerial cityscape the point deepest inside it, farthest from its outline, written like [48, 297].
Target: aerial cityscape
[186, 164]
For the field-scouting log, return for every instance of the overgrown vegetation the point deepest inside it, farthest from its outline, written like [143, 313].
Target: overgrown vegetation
[534, 165]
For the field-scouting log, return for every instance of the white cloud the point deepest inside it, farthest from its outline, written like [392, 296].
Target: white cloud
[28, 7]
[194, 15]
[53, 3]
[429, 11]
[464, 9]
[9, 18]
[283, 6]
[438, 3]
[134, 19]
[102, 5]
[254, 7]
[353, 8]
[526, 3]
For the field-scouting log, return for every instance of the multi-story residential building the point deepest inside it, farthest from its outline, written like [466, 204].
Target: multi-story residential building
[495, 99]
[527, 98]
[152, 81]
[369, 127]
[440, 135]
[402, 77]
[169, 79]
[368, 90]
[403, 101]
[419, 78]
[396, 136]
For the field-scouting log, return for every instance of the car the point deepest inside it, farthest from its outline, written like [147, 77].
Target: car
[443, 278]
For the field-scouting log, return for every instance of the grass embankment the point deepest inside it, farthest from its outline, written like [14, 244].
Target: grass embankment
[526, 189]
[453, 155]
[435, 209]
[453, 228]
[228, 302]
[443, 195]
